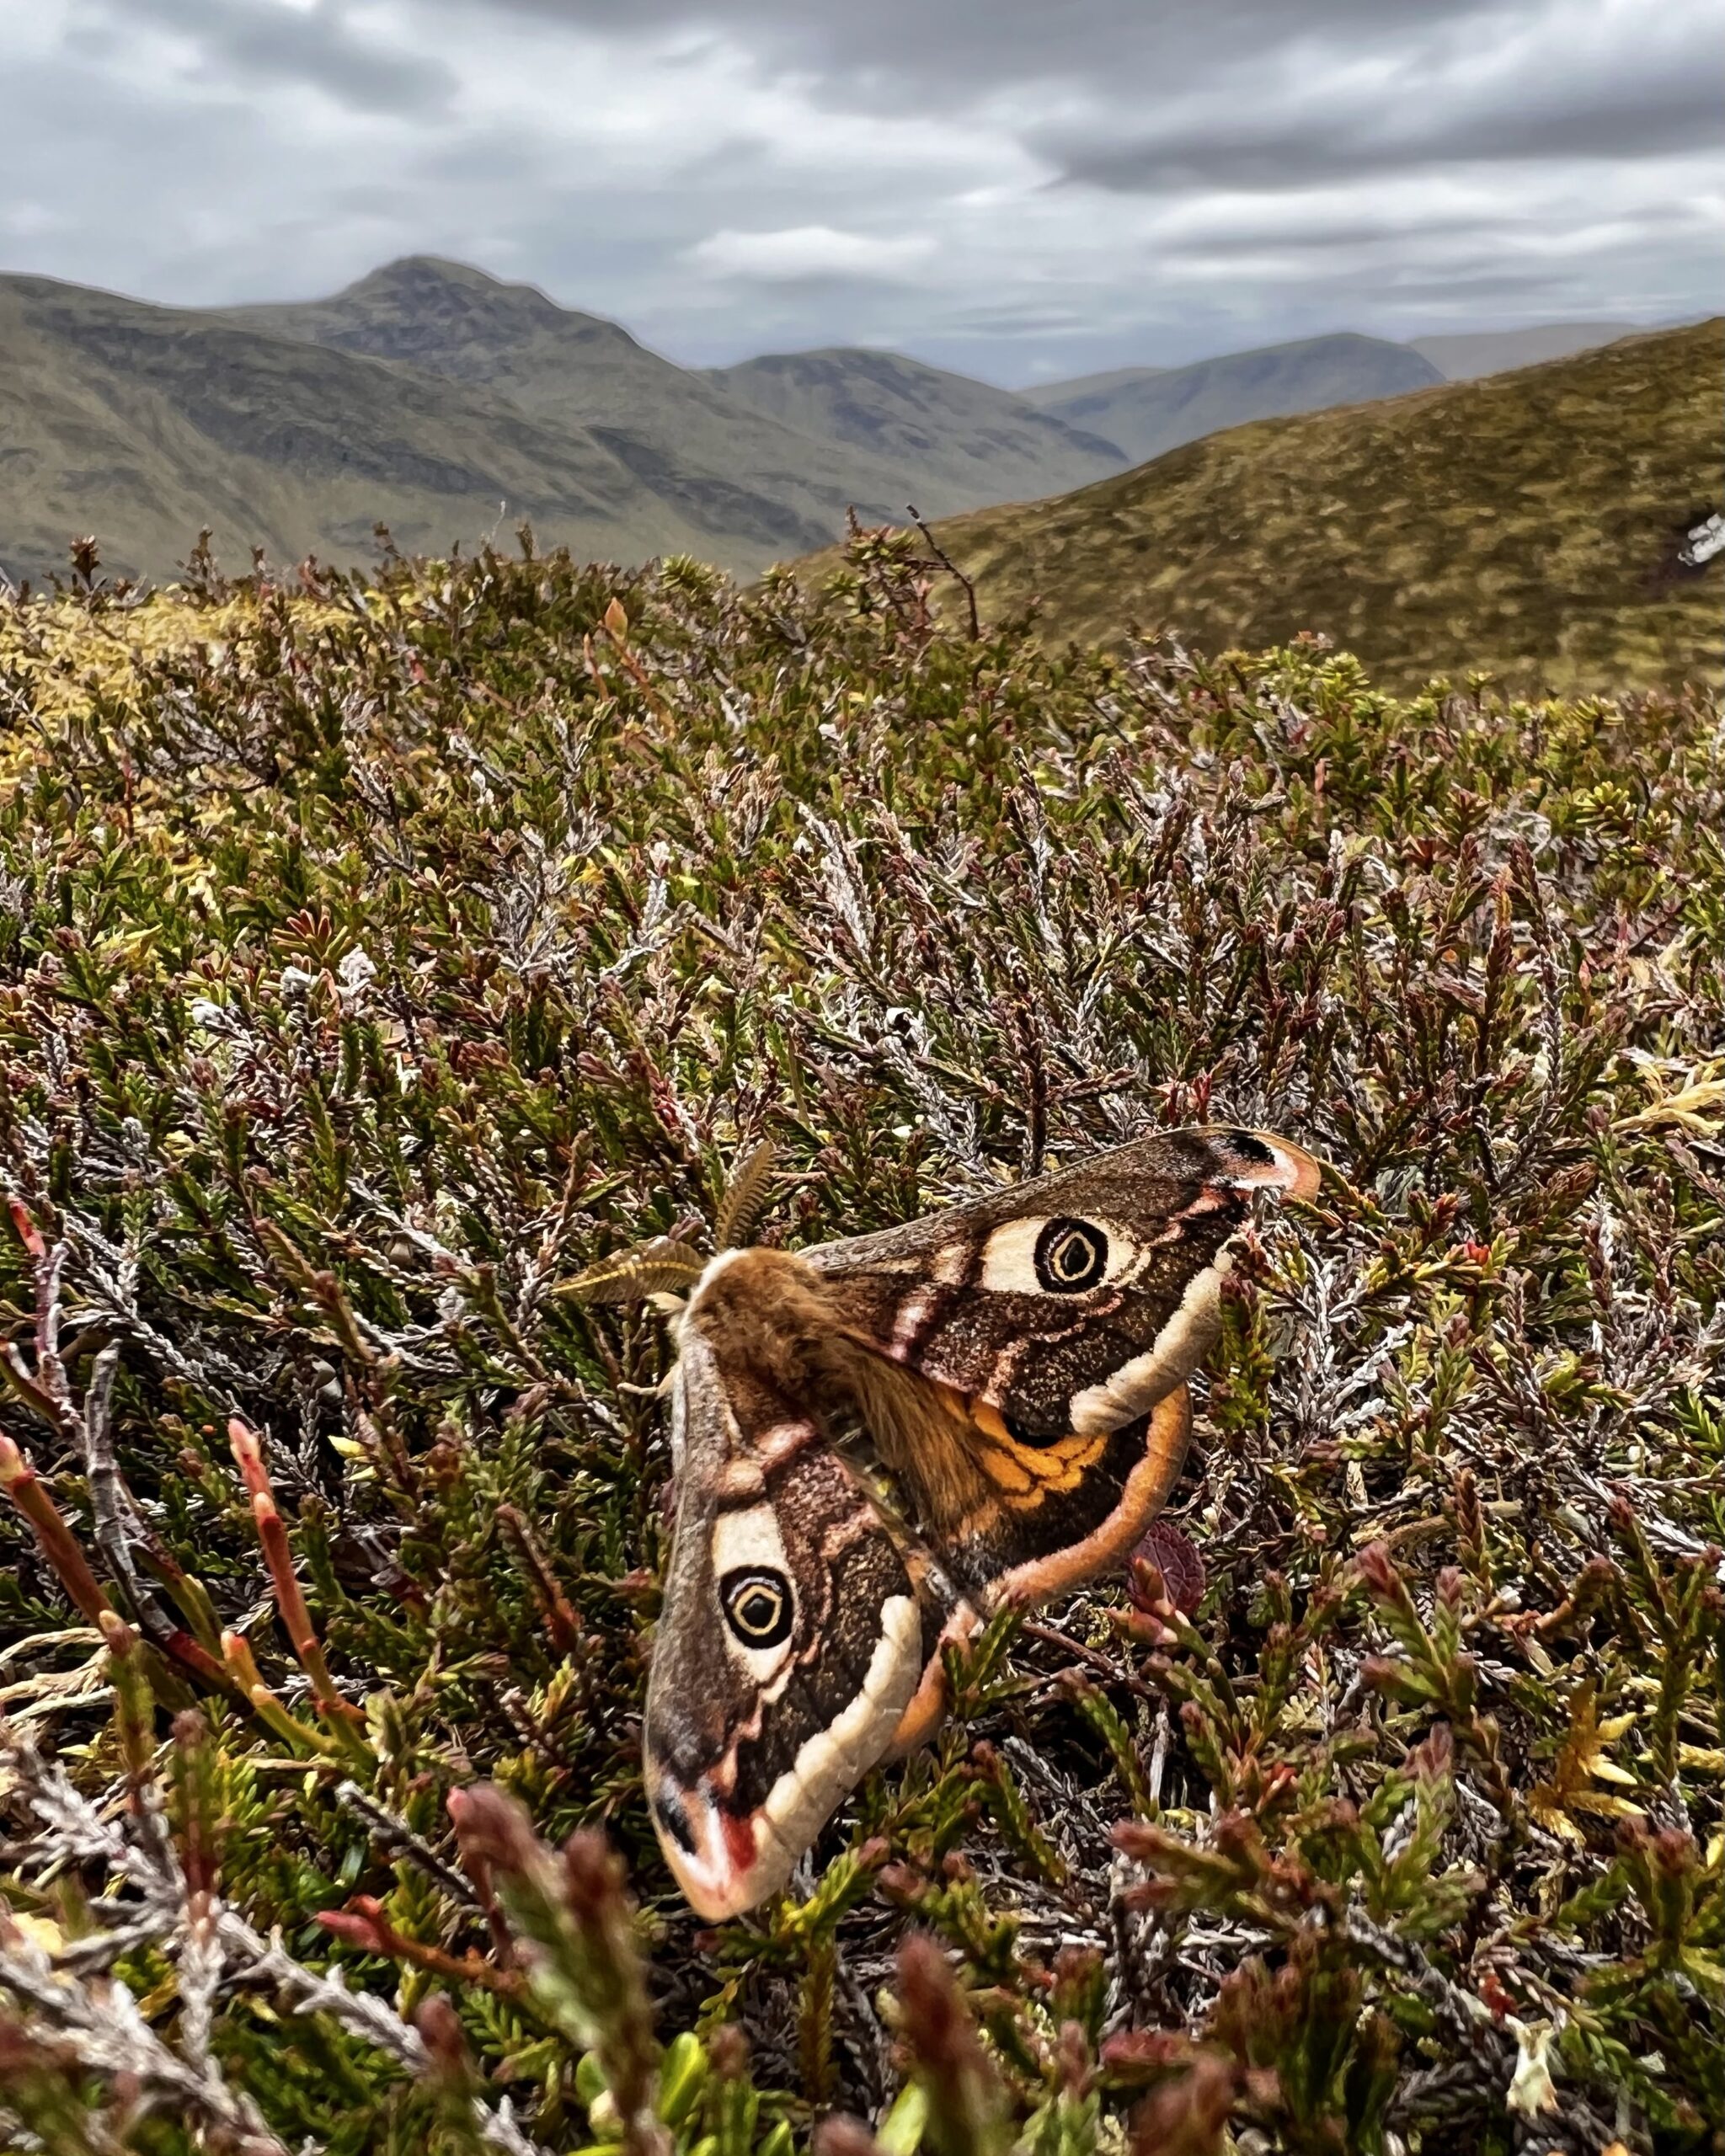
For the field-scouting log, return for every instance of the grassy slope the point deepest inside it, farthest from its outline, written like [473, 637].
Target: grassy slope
[372, 958]
[714, 454]
[955, 440]
[1526, 524]
[1151, 410]
[142, 424]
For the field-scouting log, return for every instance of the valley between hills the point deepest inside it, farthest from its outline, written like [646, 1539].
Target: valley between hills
[1526, 519]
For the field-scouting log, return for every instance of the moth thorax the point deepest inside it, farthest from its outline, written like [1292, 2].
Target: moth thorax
[764, 1310]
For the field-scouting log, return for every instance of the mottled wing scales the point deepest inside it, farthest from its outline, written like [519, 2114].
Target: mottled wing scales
[972, 1300]
[760, 1720]
[1016, 1369]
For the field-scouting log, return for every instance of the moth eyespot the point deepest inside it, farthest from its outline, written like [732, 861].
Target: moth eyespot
[1071, 1255]
[758, 1606]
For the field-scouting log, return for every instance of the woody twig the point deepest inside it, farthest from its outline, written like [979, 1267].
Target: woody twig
[290, 1600]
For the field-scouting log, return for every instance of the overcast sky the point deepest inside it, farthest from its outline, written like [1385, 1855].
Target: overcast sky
[1019, 188]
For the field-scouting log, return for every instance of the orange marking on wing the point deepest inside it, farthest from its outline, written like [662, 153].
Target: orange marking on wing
[1028, 1474]
[1146, 1491]
[988, 1418]
[1012, 1483]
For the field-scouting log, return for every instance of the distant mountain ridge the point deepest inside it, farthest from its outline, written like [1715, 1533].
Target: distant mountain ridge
[731, 471]
[1149, 410]
[1466, 357]
[1528, 524]
[141, 424]
[448, 405]
[953, 433]
[1043, 394]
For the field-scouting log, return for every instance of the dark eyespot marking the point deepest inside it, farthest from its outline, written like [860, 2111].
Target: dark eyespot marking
[1070, 1257]
[1251, 1147]
[758, 1606]
[1035, 1440]
[668, 1809]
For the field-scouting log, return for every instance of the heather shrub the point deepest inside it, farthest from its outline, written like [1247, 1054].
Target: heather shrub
[376, 952]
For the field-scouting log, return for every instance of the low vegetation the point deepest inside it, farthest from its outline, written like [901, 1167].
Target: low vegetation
[376, 954]
[1528, 524]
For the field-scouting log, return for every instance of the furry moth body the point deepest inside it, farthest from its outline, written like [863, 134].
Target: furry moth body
[1016, 1367]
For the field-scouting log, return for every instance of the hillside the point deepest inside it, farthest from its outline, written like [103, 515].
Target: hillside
[1042, 394]
[447, 404]
[444, 404]
[1147, 410]
[378, 954]
[953, 437]
[713, 455]
[1526, 523]
[141, 423]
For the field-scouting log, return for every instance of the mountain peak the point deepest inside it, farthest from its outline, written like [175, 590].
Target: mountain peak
[428, 270]
[430, 287]
[445, 316]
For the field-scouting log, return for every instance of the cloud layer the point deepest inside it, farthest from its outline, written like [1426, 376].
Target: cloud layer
[1023, 190]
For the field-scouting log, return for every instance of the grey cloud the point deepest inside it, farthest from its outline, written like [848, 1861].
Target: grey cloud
[1092, 180]
[1608, 121]
[483, 156]
[1471, 285]
[258, 42]
[1338, 239]
[1257, 94]
[945, 52]
[1028, 321]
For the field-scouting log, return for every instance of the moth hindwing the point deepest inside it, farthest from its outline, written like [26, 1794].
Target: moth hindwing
[1016, 1369]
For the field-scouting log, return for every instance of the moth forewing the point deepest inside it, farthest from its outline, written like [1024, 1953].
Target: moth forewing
[1177, 1351]
[791, 1639]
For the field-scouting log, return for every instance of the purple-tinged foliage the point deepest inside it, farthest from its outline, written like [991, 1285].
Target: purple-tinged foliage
[378, 956]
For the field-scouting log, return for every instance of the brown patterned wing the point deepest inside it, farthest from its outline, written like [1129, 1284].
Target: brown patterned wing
[1058, 1320]
[1017, 1367]
[1075, 1302]
[791, 1641]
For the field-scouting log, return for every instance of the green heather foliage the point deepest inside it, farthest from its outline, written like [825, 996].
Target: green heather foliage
[375, 956]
